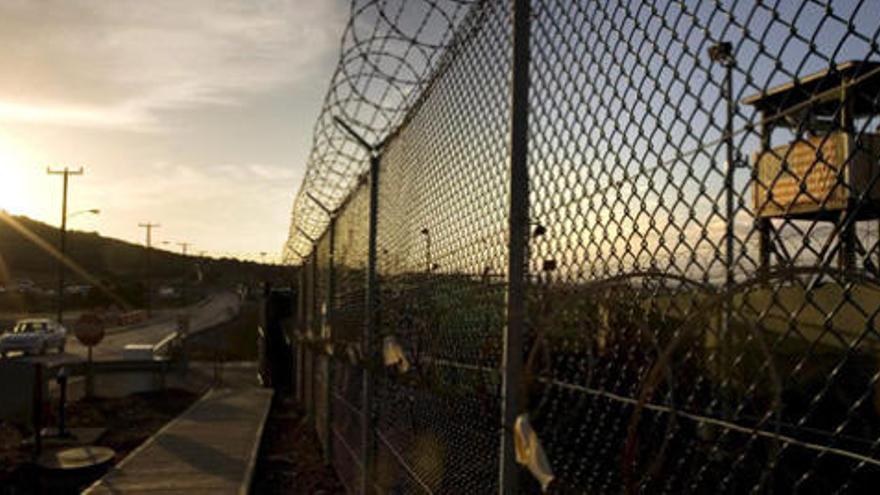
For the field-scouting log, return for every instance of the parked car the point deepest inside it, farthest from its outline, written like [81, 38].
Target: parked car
[34, 336]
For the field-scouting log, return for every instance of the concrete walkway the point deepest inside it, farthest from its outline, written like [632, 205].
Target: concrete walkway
[210, 448]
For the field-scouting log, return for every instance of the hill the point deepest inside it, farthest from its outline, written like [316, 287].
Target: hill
[26, 257]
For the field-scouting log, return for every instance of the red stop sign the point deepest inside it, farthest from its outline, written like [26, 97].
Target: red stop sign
[89, 329]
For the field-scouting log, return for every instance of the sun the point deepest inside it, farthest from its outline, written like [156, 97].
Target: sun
[14, 195]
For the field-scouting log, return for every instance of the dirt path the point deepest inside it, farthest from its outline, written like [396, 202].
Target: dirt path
[290, 460]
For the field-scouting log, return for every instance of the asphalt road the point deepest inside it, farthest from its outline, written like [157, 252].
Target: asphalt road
[210, 312]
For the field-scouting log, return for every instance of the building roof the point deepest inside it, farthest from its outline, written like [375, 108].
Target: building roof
[862, 78]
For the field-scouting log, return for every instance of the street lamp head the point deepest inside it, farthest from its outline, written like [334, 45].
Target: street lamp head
[722, 53]
[93, 211]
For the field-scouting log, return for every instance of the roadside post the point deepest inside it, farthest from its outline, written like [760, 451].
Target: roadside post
[62, 401]
[90, 332]
[38, 409]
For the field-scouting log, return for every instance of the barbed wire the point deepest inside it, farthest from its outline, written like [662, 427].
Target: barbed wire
[682, 334]
[389, 51]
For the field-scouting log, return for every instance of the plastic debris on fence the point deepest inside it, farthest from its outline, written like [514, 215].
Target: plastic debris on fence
[354, 353]
[394, 355]
[530, 453]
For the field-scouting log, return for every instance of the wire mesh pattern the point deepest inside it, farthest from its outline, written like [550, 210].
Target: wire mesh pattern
[305, 333]
[703, 283]
[441, 255]
[321, 328]
[346, 322]
[389, 50]
[685, 352]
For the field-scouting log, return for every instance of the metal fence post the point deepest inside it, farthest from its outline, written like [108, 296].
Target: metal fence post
[518, 222]
[307, 325]
[328, 375]
[314, 324]
[301, 317]
[368, 438]
[327, 337]
[372, 307]
[722, 54]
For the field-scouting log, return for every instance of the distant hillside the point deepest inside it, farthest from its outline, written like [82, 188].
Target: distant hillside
[114, 262]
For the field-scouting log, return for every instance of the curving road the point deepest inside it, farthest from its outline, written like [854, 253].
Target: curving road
[210, 312]
[214, 310]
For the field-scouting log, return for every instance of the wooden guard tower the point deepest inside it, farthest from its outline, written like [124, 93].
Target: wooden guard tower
[831, 171]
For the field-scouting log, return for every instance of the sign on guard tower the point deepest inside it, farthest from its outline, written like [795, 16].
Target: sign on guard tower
[830, 167]
[816, 174]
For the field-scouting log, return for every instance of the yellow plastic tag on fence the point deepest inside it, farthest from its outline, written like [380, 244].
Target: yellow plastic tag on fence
[394, 355]
[530, 453]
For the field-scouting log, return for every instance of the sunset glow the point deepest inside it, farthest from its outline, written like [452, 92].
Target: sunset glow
[15, 195]
[177, 116]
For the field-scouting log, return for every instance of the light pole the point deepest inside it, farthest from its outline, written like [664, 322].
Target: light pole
[722, 54]
[184, 247]
[91, 211]
[66, 173]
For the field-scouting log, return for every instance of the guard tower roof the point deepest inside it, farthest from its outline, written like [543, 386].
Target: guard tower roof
[860, 79]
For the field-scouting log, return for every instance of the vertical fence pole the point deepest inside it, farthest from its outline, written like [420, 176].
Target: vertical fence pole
[367, 438]
[307, 322]
[730, 232]
[328, 375]
[518, 219]
[301, 324]
[722, 53]
[303, 341]
[314, 330]
[763, 224]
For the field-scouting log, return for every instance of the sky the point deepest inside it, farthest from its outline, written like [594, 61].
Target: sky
[195, 115]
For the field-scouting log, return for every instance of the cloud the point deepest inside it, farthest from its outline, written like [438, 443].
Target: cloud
[121, 63]
[238, 207]
[89, 116]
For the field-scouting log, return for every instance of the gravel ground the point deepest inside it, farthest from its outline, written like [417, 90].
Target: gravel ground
[12, 454]
[129, 421]
[290, 460]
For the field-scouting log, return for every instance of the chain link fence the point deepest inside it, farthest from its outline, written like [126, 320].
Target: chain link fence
[682, 297]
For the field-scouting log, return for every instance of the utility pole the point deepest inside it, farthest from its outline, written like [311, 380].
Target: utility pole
[66, 173]
[184, 289]
[149, 228]
[184, 246]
